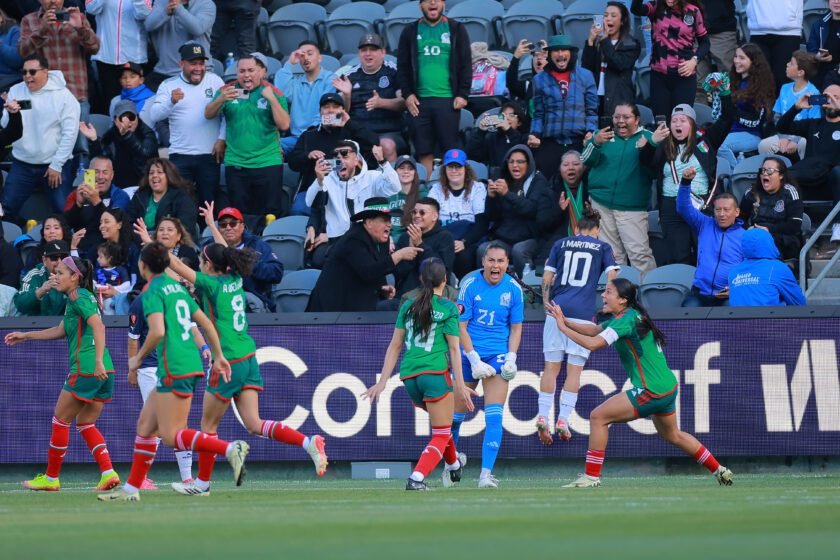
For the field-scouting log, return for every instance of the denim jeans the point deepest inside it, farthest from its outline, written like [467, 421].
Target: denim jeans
[736, 142]
[24, 178]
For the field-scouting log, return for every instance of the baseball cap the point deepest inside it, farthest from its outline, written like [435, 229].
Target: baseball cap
[192, 51]
[134, 67]
[331, 98]
[261, 57]
[405, 159]
[371, 39]
[455, 156]
[231, 212]
[685, 109]
[124, 106]
[56, 248]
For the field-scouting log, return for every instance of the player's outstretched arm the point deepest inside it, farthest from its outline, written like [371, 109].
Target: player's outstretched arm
[177, 266]
[52, 333]
[564, 324]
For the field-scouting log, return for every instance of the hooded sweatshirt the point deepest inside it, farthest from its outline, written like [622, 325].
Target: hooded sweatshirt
[50, 127]
[761, 278]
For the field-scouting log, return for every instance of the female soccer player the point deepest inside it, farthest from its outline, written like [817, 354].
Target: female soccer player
[90, 383]
[570, 280]
[654, 391]
[492, 310]
[170, 312]
[220, 285]
[428, 326]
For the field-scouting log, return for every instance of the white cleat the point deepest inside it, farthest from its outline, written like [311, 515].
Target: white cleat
[462, 458]
[584, 481]
[451, 477]
[237, 460]
[488, 481]
[724, 476]
[119, 495]
[318, 451]
[189, 489]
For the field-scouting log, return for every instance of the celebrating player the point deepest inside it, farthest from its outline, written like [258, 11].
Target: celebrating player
[580, 260]
[654, 391]
[170, 312]
[492, 310]
[90, 382]
[428, 326]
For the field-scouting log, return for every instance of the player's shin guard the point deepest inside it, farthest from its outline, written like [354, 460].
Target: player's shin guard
[594, 462]
[185, 460]
[96, 443]
[492, 435]
[705, 458]
[441, 435]
[145, 449]
[194, 440]
[457, 419]
[206, 461]
[59, 440]
[282, 433]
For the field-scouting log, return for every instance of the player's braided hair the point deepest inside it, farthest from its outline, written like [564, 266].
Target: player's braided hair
[224, 259]
[432, 274]
[630, 292]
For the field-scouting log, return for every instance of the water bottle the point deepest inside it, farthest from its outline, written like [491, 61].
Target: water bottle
[30, 223]
[526, 270]
[269, 218]
[230, 62]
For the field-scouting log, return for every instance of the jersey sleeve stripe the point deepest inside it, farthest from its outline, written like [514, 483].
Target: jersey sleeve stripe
[794, 194]
[466, 284]
[609, 335]
[549, 268]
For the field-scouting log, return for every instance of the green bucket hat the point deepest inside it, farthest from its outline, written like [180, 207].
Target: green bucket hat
[560, 42]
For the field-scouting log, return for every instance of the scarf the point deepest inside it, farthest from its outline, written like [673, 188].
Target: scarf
[575, 208]
[138, 95]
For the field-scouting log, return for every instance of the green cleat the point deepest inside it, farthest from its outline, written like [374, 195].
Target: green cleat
[119, 495]
[236, 458]
[724, 476]
[40, 482]
[107, 482]
[584, 481]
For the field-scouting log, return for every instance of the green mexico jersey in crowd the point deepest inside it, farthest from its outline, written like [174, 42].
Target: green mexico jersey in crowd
[253, 140]
[177, 354]
[223, 300]
[641, 357]
[429, 354]
[433, 51]
[80, 306]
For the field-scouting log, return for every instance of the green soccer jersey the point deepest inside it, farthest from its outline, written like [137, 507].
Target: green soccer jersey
[223, 300]
[151, 213]
[433, 51]
[253, 140]
[641, 357]
[177, 354]
[80, 306]
[429, 354]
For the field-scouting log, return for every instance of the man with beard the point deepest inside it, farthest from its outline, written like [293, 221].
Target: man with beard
[434, 73]
[565, 106]
[818, 172]
[195, 145]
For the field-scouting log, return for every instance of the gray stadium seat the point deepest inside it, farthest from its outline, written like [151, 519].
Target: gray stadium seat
[643, 83]
[347, 23]
[274, 66]
[466, 121]
[330, 62]
[530, 19]
[704, 114]
[286, 237]
[746, 172]
[654, 227]
[481, 171]
[35, 232]
[292, 24]
[667, 286]
[626, 272]
[577, 20]
[333, 5]
[397, 19]
[646, 117]
[217, 67]
[101, 123]
[11, 231]
[292, 293]
[482, 19]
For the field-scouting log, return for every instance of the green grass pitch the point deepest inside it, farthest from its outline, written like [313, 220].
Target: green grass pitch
[659, 516]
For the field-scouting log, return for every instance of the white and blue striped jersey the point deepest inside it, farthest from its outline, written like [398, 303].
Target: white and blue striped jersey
[490, 311]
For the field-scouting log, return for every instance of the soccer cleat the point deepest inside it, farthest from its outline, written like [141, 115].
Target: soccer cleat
[189, 489]
[563, 431]
[450, 478]
[412, 484]
[148, 484]
[119, 495]
[317, 450]
[40, 482]
[543, 431]
[584, 481]
[724, 476]
[237, 460]
[488, 481]
[462, 458]
[107, 482]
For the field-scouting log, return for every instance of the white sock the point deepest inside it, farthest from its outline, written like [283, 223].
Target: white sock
[417, 476]
[184, 463]
[485, 473]
[201, 484]
[305, 443]
[52, 478]
[229, 450]
[454, 466]
[109, 471]
[545, 403]
[130, 489]
[568, 400]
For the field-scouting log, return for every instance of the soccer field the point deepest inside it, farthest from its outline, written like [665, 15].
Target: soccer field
[677, 516]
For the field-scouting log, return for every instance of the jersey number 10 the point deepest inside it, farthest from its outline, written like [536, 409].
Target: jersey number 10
[576, 269]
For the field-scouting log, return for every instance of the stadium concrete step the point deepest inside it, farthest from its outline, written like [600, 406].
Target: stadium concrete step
[817, 266]
[827, 293]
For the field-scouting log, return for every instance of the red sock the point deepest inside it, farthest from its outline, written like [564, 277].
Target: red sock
[193, 440]
[96, 444]
[705, 458]
[450, 454]
[206, 461]
[59, 440]
[145, 449]
[434, 451]
[594, 462]
[282, 433]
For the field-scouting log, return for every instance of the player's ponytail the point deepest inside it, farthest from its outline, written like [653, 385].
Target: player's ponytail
[84, 268]
[155, 256]
[630, 292]
[589, 220]
[224, 259]
[432, 274]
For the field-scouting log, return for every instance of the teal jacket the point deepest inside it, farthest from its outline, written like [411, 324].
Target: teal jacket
[27, 303]
[617, 179]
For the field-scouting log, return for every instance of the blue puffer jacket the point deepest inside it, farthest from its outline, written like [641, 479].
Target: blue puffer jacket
[267, 272]
[718, 249]
[565, 118]
[761, 278]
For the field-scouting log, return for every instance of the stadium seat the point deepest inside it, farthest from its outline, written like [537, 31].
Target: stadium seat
[11, 231]
[467, 120]
[482, 19]
[330, 63]
[286, 237]
[643, 83]
[806, 225]
[532, 20]
[347, 23]
[217, 67]
[626, 272]
[130, 191]
[667, 286]
[292, 293]
[578, 17]
[645, 116]
[421, 173]
[746, 172]
[101, 123]
[480, 170]
[35, 232]
[292, 24]
[397, 19]
[391, 5]
[812, 12]
[704, 114]
[274, 5]
[654, 227]
[333, 5]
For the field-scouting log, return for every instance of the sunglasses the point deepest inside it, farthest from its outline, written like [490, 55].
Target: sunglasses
[229, 224]
[417, 212]
[344, 152]
[55, 257]
[31, 71]
[768, 171]
[130, 116]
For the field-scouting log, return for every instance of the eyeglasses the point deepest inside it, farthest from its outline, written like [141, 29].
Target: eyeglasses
[518, 161]
[130, 116]
[31, 71]
[768, 171]
[229, 224]
[344, 152]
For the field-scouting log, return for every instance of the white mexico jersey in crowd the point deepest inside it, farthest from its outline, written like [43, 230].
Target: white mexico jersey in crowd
[460, 206]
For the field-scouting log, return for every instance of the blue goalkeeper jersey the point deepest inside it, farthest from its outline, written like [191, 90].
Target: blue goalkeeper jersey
[490, 311]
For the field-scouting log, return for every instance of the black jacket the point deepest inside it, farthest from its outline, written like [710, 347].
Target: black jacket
[12, 132]
[10, 265]
[491, 146]
[129, 153]
[176, 202]
[618, 78]
[719, 16]
[780, 213]
[353, 274]
[437, 243]
[460, 60]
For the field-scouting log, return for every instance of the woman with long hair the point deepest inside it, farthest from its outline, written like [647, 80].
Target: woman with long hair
[90, 383]
[173, 235]
[497, 133]
[654, 391]
[410, 191]
[428, 326]
[163, 192]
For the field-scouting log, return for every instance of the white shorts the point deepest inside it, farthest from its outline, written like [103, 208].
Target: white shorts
[147, 379]
[557, 346]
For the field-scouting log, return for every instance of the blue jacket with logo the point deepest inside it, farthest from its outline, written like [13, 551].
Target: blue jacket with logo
[761, 278]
